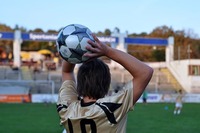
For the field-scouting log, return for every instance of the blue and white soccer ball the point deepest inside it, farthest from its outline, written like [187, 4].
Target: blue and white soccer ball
[71, 43]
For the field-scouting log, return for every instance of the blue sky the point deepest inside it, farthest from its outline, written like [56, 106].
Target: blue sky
[134, 16]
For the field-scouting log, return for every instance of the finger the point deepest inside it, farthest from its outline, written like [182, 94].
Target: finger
[91, 43]
[92, 49]
[91, 55]
[95, 38]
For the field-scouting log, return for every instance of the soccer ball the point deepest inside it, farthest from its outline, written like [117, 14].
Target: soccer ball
[71, 43]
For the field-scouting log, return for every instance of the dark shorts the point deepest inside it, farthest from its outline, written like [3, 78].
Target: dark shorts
[144, 100]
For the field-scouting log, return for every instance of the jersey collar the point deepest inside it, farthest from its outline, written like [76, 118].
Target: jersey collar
[83, 104]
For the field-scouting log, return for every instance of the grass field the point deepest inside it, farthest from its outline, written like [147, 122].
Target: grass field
[150, 118]
[159, 118]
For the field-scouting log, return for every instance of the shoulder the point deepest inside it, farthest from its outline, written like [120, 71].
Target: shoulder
[68, 84]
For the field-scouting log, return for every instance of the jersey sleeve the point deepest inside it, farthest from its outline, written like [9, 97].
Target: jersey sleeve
[67, 94]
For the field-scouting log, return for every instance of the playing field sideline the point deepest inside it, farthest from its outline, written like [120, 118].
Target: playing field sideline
[150, 118]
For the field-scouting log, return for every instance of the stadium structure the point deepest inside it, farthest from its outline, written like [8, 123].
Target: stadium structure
[23, 84]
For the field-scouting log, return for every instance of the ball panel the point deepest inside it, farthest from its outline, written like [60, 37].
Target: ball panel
[74, 60]
[84, 43]
[79, 30]
[57, 46]
[77, 53]
[65, 51]
[68, 30]
[89, 33]
[82, 35]
[80, 26]
[72, 41]
[84, 58]
[59, 34]
[60, 40]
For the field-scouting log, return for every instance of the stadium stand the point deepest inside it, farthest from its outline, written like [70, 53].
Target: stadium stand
[162, 80]
[159, 83]
[26, 73]
[171, 79]
[48, 82]
[8, 73]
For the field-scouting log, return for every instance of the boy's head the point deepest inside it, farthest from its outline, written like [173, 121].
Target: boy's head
[93, 79]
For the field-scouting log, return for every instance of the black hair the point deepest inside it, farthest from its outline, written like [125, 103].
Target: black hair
[93, 79]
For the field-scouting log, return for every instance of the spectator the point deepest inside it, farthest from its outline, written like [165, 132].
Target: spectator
[144, 96]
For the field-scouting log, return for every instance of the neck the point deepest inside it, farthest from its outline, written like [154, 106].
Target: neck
[87, 99]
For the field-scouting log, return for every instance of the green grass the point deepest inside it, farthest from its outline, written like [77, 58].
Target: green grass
[29, 118]
[159, 118]
[150, 118]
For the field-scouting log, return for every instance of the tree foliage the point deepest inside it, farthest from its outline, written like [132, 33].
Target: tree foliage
[6, 45]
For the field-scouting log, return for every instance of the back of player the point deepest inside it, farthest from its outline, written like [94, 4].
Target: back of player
[106, 115]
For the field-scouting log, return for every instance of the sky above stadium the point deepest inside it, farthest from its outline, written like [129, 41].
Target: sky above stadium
[134, 16]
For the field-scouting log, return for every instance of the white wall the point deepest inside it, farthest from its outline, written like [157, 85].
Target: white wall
[180, 70]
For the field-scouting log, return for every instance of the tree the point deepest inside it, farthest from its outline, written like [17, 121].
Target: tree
[37, 30]
[52, 31]
[107, 32]
[99, 33]
[4, 27]
[143, 34]
[158, 55]
[6, 45]
[162, 32]
[117, 30]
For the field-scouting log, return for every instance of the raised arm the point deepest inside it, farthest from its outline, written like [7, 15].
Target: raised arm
[67, 71]
[141, 72]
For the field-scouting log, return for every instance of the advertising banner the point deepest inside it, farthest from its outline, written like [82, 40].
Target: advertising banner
[6, 35]
[15, 98]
